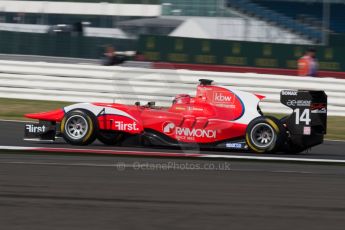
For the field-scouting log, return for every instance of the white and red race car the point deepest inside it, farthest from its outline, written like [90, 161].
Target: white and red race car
[215, 118]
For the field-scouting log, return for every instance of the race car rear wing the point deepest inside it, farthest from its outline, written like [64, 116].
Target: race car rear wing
[309, 111]
[308, 123]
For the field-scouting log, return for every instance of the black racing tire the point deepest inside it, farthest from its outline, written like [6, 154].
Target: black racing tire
[111, 138]
[265, 134]
[79, 127]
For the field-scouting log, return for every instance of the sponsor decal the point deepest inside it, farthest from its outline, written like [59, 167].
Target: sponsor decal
[226, 106]
[318, 108]
[220, 97]
[289, 93]
[299, 103]
[42, 131]
[35, 129]
[168, 128]
[180, 108]
[197, 109]
[306, 130]
[323, 110]
[234, 145]
[200, 133]
[122, 126]
[291, 102]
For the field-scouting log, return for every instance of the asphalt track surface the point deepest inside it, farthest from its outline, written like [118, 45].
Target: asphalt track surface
[70, 191]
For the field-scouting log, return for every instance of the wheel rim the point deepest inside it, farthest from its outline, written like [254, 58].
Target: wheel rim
[76, 127]
[262, 135]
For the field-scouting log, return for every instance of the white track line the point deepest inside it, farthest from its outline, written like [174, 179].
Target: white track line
[286, 159]
[335, 140]
[172, 154]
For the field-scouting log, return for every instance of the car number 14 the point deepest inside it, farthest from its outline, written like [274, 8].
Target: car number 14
[302, 117]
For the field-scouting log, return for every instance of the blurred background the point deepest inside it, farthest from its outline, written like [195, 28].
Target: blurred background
[257, 33]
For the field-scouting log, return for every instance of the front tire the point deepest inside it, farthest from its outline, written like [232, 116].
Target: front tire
[79, 127]
[265, 135]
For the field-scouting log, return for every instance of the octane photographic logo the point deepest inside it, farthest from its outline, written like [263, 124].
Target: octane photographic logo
[133, 90]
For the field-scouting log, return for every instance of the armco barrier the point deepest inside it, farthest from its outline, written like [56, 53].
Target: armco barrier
[90, 83]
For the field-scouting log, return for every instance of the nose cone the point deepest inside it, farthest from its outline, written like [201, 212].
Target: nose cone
[55, 115]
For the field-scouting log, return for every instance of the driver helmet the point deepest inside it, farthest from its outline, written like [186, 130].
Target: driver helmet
[182, 99]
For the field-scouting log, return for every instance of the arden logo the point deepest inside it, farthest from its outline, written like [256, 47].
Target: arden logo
[35, 129]
[220, 97]
[120, 125]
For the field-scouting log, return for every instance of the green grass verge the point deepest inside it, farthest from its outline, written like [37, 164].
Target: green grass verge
[14, 109]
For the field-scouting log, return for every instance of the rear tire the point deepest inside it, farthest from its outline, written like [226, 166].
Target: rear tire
[265, 135]
[79, 127]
